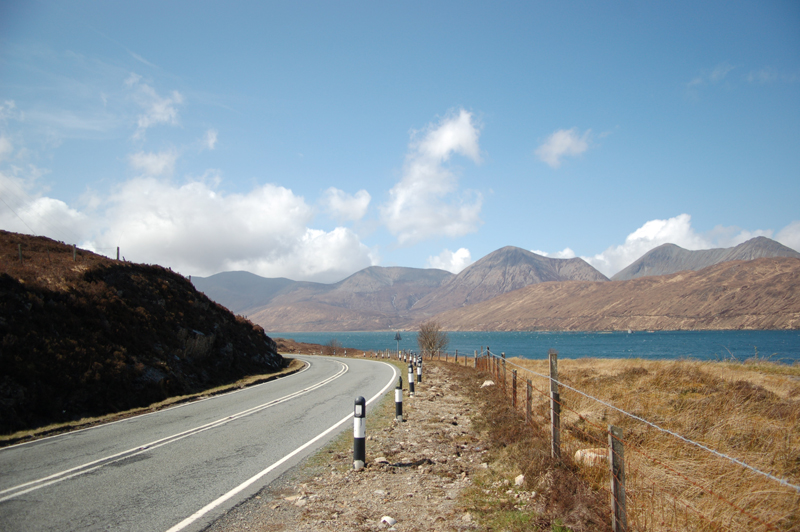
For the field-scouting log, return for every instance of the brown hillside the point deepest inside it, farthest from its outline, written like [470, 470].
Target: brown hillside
[757, 294]
[91, 336]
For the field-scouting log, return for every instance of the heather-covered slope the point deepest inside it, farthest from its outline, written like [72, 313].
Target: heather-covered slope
[95, 336]
[756, 294]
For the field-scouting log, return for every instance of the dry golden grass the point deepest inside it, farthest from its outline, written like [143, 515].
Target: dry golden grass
[749, 412]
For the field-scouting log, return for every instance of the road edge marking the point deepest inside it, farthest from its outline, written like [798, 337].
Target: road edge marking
[244, 485]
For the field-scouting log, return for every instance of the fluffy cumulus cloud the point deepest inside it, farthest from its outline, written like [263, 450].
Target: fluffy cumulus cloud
[25, 210]
[154, 164]
[156, 109]
[426, 202]
[342, 206]
[453, 262]
[563, 143]
[678, 231]
[197, 230]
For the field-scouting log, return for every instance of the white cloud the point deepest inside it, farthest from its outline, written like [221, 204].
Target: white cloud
[719, 72]
[210, 140]
[563, 143]
[423, 204]
[343, 206]
[453, 262]
[157, 109]
[8, 110]
[763, 76]
[769, 75]
[21, 211]
[713, 76]
[566, 253]
[154, 164]
[790, 235]
[197, 230]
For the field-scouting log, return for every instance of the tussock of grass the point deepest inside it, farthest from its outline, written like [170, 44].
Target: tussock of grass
[563, 499]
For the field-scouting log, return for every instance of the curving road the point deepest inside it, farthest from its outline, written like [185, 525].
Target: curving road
[181, 468]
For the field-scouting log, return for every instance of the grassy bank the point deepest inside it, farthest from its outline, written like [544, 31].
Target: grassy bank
[747, 413]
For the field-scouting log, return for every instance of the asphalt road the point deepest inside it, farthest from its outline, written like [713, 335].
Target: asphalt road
[181, 468]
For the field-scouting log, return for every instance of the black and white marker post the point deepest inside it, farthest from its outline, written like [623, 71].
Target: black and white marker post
[419, 370]
[410, 380]
[359, 434]
[398, 401]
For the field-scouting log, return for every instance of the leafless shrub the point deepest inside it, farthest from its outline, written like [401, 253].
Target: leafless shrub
[432, 338]
[333, 347]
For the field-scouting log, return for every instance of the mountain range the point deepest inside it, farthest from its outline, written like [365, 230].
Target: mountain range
[383, 298]
[756, 294]
[669, 258]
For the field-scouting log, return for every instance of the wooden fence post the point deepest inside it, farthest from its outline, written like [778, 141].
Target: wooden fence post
[514, 389]
[117, 253]
[555, 407]
[503, 355]
[616, 460]
[529, 401]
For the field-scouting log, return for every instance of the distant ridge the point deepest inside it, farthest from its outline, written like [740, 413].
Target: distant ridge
[669, 258]
[754, 294]
[371, 299]
[505, 270]
[240, 292]
[381, 298]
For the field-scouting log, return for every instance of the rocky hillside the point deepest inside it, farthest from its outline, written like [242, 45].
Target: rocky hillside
[669, 258]
[756, 294]
[89, 336]
[505, 270]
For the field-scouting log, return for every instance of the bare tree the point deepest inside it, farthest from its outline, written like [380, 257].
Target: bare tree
[332, 347]
[431, 337]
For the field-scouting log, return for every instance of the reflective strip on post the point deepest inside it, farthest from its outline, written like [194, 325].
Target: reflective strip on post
[359, 434]
[398, 401]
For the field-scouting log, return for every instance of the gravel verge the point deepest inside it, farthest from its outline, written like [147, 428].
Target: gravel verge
[415, 474]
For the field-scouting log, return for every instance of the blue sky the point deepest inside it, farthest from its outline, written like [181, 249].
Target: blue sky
[312, 139]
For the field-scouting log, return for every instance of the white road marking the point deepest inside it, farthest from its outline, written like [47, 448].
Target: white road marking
[34, 485]
[201, 512]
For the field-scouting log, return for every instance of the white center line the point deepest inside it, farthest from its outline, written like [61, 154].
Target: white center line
[34, 485]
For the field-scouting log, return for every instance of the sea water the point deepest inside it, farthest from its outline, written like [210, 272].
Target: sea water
[776, 346]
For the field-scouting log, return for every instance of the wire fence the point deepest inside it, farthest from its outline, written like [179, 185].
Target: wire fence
[669, 481]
